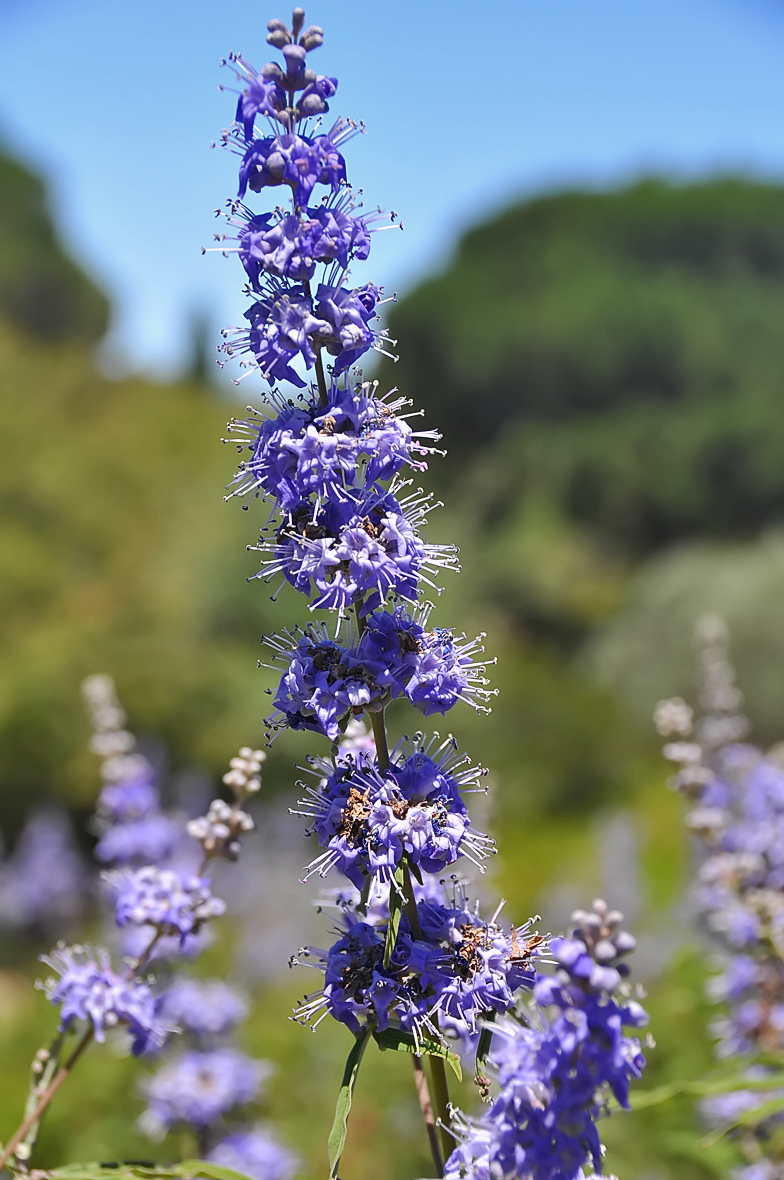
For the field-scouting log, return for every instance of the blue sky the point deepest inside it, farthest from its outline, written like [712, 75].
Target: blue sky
[468, 106]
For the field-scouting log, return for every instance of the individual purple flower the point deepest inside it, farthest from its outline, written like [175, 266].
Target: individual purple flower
[315, 449]
[205, 1008]
[89, 990]
[263, 96]
[199, 1087]
[171, 902]
[321, 685]
[368, 820]
[348, 314]
[255, 1152]
[280, 328]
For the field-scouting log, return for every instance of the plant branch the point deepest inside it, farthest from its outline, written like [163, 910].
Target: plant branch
[423, 1094]
[43, 1102]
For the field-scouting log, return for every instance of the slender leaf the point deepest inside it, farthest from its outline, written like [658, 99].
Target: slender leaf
[337, 1136]
[208, 1169]
[132, 1170]
[395, 912]
[703, 1088]
[403, 1042]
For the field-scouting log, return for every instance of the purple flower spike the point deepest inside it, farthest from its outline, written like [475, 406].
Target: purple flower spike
[553, 1073]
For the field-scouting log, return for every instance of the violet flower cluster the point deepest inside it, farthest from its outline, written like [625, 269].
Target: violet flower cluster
[455, 969]
[556, 1070]
[736, 796]
[344, 529]
[163, 900]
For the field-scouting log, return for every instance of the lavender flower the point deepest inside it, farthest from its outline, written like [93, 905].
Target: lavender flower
[199, 1087]
[205, 1008]
[151, 840]
[255, 1152]
[162, 898]
[89, 990]
[368, 820]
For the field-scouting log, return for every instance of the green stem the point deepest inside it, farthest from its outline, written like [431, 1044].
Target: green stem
[319, 364]
[380, 735]
[35, 1114]
[441, 1097]
[409, 904]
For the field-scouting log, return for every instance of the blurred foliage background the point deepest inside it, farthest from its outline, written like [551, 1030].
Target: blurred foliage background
[607, 370]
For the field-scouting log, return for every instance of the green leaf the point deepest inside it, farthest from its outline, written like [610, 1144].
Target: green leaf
[704, 1087]
[210, 1170]
[395, 911]
[130, 1170]
[403, 1042]
[337, 1136]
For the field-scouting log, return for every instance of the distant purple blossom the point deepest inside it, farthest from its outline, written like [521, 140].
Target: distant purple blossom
[44, 883]
[199, 1087]
[149, 841]
[132, 796]
[205, 1008]
[90, 990]
[254, 1152]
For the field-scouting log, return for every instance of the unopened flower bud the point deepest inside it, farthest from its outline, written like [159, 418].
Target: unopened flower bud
[312, 37]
